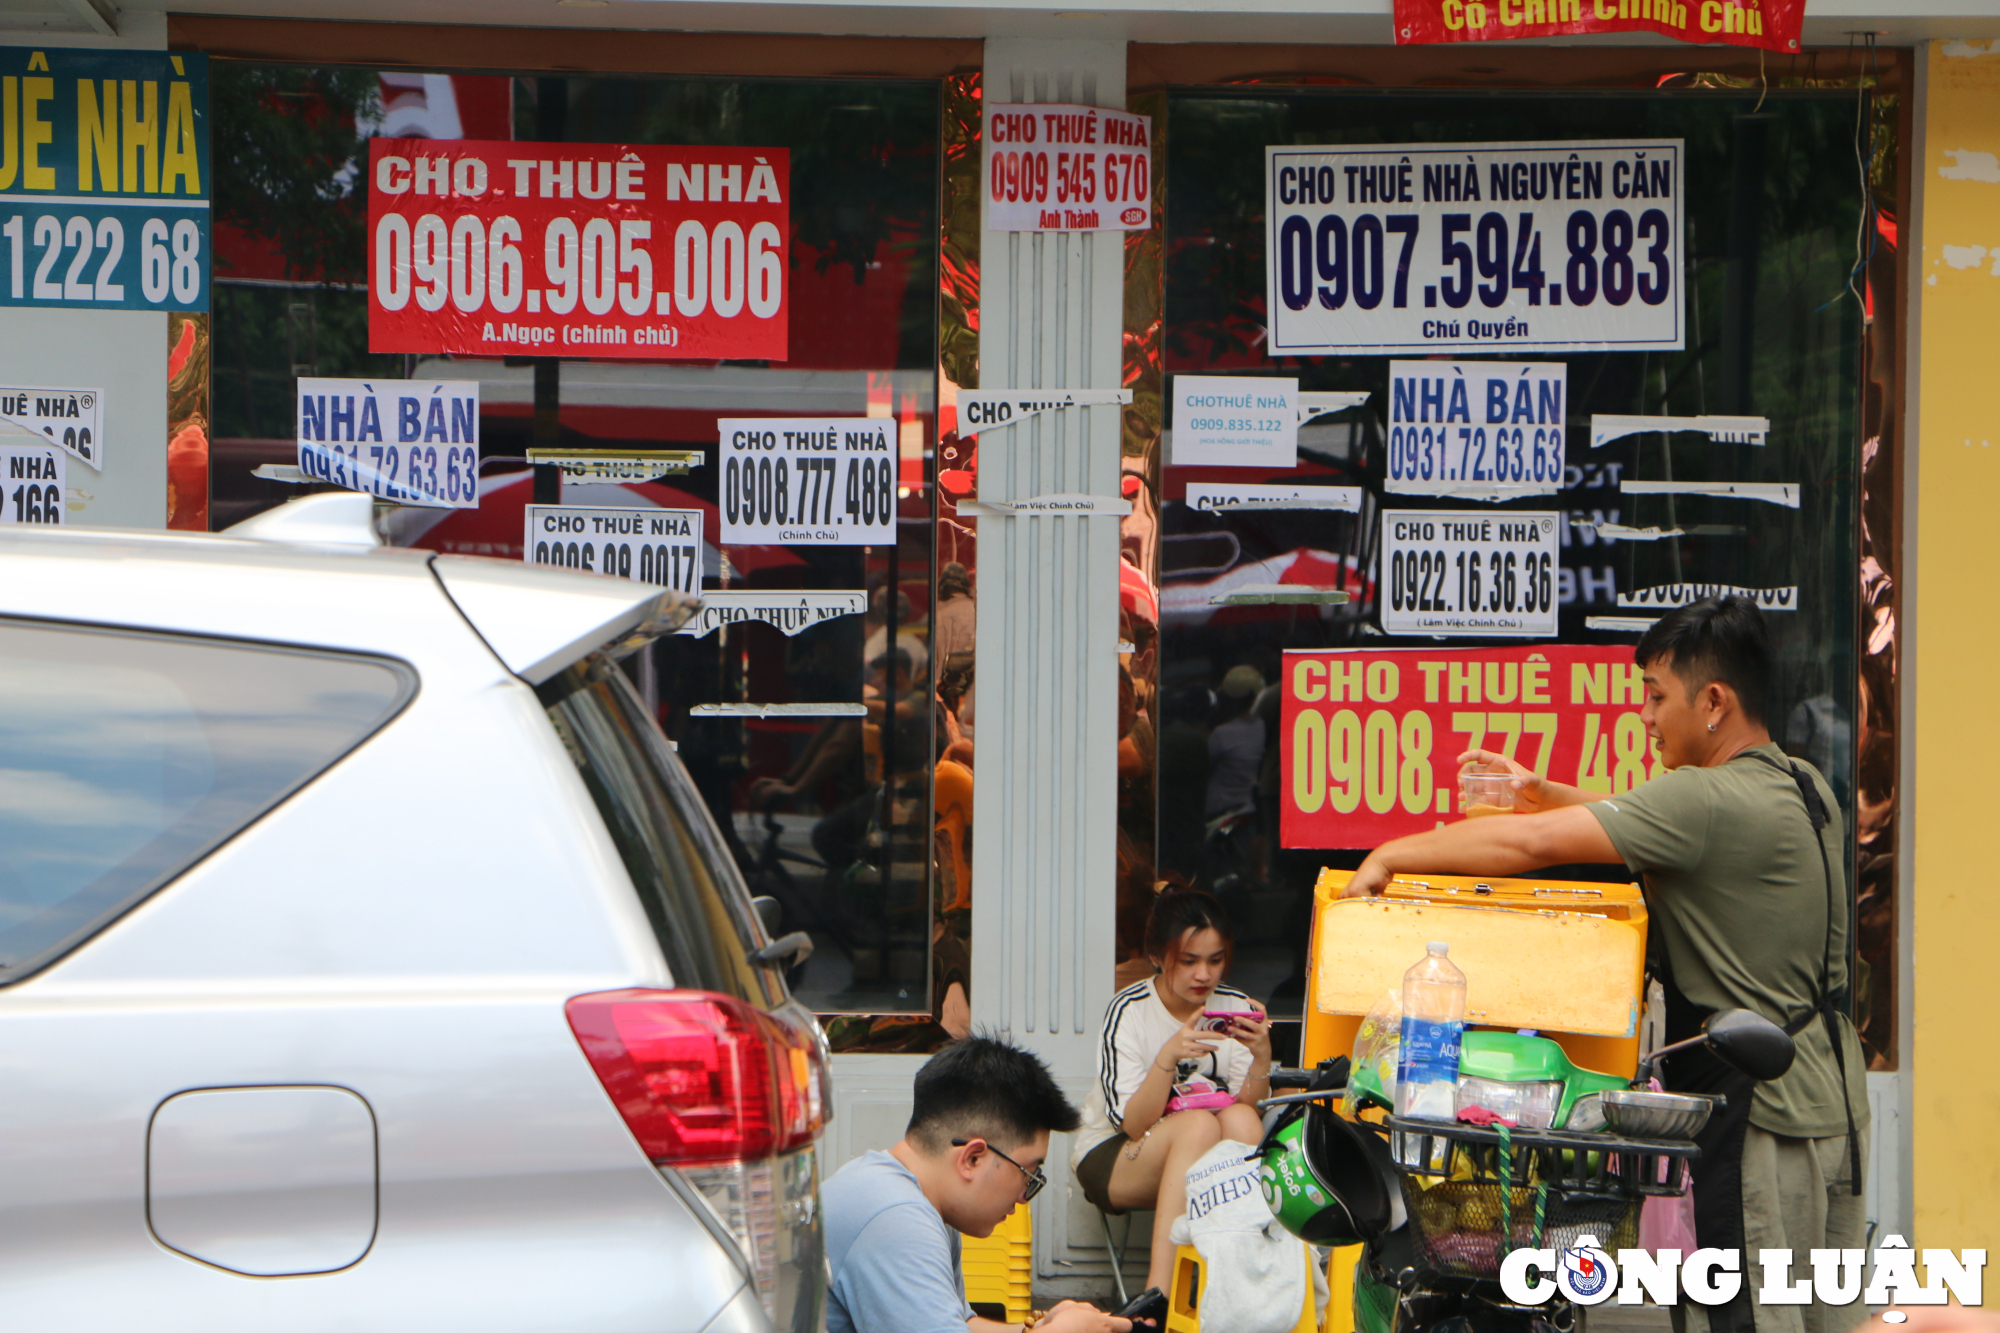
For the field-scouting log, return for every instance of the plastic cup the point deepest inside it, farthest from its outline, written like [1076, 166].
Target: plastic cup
[1484, 792]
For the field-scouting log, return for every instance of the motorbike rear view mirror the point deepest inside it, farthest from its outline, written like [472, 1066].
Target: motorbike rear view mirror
[1747, 1042]
[1750, 1043]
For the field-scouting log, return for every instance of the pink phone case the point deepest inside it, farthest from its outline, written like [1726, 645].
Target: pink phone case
[1200, 1101]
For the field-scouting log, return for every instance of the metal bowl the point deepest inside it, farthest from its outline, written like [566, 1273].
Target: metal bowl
[1655, 1115]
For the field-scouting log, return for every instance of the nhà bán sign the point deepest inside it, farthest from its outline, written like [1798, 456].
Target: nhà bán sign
[1369, 740]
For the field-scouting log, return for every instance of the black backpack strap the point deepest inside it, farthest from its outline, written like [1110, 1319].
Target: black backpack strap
[1828, 1006]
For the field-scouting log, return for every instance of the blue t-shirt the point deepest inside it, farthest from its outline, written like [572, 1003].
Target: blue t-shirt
[893, 1262]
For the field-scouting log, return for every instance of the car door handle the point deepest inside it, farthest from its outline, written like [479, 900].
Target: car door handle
[797, 945]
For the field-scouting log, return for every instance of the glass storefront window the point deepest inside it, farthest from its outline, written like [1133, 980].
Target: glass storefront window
[830, 815]
[1772, 200]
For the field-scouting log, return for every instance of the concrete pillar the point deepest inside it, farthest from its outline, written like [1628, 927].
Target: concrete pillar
[1045, 799]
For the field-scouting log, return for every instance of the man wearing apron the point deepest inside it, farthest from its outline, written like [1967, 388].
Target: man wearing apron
[1741, 850]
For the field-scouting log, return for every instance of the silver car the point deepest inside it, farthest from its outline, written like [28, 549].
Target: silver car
[368, 961]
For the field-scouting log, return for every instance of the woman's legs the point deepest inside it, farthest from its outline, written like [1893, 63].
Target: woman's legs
[1157, 1179]
[1242, 1123]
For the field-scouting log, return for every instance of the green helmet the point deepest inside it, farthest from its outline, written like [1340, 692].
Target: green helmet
[1328, 1181]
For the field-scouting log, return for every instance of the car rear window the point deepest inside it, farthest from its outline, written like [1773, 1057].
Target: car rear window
[671, 848]
[127, 757]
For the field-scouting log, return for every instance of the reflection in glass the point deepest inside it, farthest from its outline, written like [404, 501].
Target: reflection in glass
[125, 758]
[830, 816]
[1771, 206]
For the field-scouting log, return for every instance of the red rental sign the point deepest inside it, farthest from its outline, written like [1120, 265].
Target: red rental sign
[1369, 740]
[495, 248]
[1053, 167]
[1771, 24]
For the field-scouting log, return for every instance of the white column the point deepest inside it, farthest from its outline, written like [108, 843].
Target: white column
[1045, 813]
[1045, 795]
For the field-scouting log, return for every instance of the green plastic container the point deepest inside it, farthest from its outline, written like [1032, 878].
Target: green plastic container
[1511, 1057]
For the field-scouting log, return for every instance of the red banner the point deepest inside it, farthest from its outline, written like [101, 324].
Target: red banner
[1369, 740]
[1771, 24]
[492, 248]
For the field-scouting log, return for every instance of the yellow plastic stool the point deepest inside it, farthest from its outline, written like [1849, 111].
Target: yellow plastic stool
[1185, 1294]
[998, 1269]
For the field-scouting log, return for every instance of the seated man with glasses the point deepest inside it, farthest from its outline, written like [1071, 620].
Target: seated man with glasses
[978, 1135]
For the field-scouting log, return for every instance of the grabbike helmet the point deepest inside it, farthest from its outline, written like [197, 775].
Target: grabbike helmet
[1328, 1181]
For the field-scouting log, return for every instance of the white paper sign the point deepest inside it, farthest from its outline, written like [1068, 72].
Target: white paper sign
[1235, 421]
[815, 481]
[412, 441]
[1452, 572]
[1723, 430]
[588, 466]
[1481, 429]
[1071, 504]
[1474, 247]
[1218, 497]
[790, 612]
[989, 409]
[1668, 595]
[1053, 167]
[71, 419]
[661, 546]
[1784, 493]
[32, 479]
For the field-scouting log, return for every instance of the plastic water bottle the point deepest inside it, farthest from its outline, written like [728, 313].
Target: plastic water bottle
[1433, 1024]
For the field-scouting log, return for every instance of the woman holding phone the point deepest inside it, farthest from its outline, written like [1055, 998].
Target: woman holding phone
[1181, 1064]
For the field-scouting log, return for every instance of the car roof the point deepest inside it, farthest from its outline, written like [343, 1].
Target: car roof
[377, 599]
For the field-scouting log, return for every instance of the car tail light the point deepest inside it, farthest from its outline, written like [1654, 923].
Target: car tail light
[701, 1077]
[801, 1083]
[717, 1089]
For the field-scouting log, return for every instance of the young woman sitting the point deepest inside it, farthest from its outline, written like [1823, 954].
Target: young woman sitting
[1139, 1134]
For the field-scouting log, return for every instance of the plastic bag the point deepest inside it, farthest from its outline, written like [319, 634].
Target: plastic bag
[1377, 1046]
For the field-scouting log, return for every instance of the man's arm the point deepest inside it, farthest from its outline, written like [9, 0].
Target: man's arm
[1500, 845]
[1534, 793]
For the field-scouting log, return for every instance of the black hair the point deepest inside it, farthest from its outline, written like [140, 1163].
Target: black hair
[898, 660]
[1717, 639]
[981, 1087]
[1176, 912]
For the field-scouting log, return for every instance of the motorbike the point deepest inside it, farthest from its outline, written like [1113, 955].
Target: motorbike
[1543, 1154]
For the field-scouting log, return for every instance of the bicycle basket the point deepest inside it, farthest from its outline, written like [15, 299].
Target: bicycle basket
[1474, 1194]
[1462, 1230]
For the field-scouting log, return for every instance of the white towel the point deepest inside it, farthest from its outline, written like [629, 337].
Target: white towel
[1254, 1272]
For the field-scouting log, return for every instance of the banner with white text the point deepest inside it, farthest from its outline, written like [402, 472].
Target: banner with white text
[638, 251]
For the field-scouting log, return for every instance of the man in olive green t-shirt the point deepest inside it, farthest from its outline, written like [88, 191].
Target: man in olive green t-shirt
[1749, 910]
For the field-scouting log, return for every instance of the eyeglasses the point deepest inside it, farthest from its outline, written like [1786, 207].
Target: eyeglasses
[1035, 1177]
